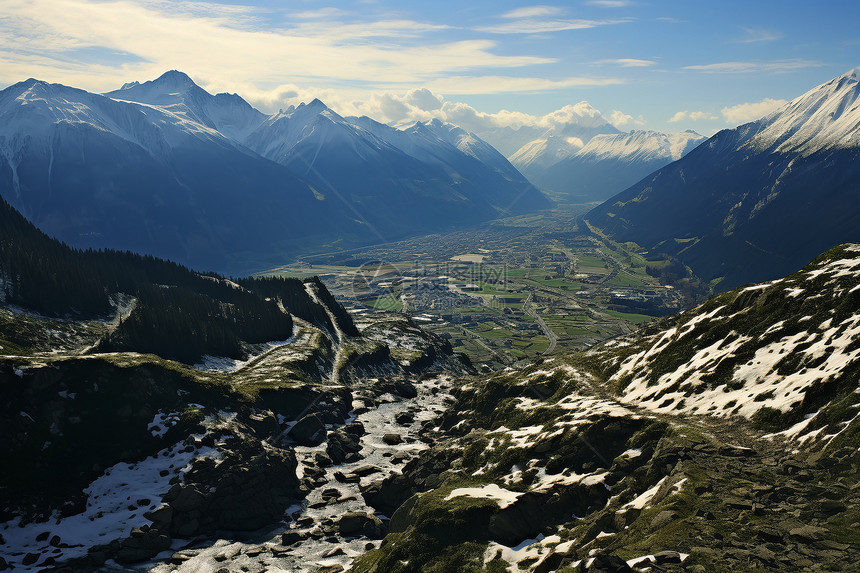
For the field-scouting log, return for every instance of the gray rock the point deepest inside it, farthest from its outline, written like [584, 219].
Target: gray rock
[184, 498]
[602, 563]
[161, 516]
[291, 537]
[356, 523]
[807, 533]
[366, 471]
[663, 557]
[663, 519]
[309, 431]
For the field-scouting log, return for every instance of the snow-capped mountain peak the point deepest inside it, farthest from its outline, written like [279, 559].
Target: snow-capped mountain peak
[174, 91]
[640, 145]
[546, 151]
[826, 117]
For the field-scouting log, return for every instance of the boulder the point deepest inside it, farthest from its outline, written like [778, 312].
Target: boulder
[355, 523]
[291, 537]
[663, 519]
[366, 471]
[392, 439]
[343, 445]
[603, 563]
[309, 431]
[664, 557]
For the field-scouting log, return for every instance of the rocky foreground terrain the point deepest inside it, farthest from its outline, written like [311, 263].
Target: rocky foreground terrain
[721, 439]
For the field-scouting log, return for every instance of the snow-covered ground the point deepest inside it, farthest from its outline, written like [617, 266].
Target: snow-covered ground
[264, 552]
[116, 503]
[224, 364]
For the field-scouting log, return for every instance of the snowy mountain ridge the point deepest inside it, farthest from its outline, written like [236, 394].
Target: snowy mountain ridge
[640, 145]
[174, 91]
[547, 151]
[826, 117]
[757, 201]
[30, 109]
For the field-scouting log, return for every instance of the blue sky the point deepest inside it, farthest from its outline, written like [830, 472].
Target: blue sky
[666, 65]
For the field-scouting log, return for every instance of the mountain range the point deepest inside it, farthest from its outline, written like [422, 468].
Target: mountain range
[755, 202]
[605, 165]
[583, 158]
[166, 168]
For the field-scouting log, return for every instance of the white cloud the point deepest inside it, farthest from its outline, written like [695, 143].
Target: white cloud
[750, 67]
[699, 115]
[321, 13]
[533, 12]
[691, 116]
[405, 108]
[543, 26]
[609, 3]
[629, 62]
[230, 46]
[755, 35]
[620, 119]
[746, 112]
[508, 84]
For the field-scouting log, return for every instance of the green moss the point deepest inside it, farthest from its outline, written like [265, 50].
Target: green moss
[191, 416]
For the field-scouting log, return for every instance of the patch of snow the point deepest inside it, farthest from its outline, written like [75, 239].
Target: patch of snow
[223, 364]
[503, 497]
[162, 422]
[112, 507]
[642, 500]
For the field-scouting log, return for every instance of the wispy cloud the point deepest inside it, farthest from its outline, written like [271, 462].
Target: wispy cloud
[227, 47]
[609, 3]
[691, 116]
[502, 84]
[629, 62]
[750, 67]
[755, 35]
[537, 26]
[533, 12]
[751, 111]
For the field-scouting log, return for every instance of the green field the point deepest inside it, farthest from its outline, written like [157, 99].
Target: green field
[635, 318]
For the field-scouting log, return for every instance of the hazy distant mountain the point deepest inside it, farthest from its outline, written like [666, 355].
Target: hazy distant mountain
[96, 172]
[574, 123]
[606, 164]
[476, 166]
[423, 178]
[166, 168]
[758, 201]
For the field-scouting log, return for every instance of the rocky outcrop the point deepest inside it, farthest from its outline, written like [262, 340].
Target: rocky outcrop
[250, 486]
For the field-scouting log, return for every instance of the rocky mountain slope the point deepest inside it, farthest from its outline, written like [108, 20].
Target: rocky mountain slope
[168, 169]
[157, 458]
[755, 202]
[724, 438]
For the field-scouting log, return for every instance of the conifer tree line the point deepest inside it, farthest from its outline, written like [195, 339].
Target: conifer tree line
[179, 314]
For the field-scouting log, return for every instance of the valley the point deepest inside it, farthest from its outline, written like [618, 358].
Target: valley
[507, 290]
[380, 348]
